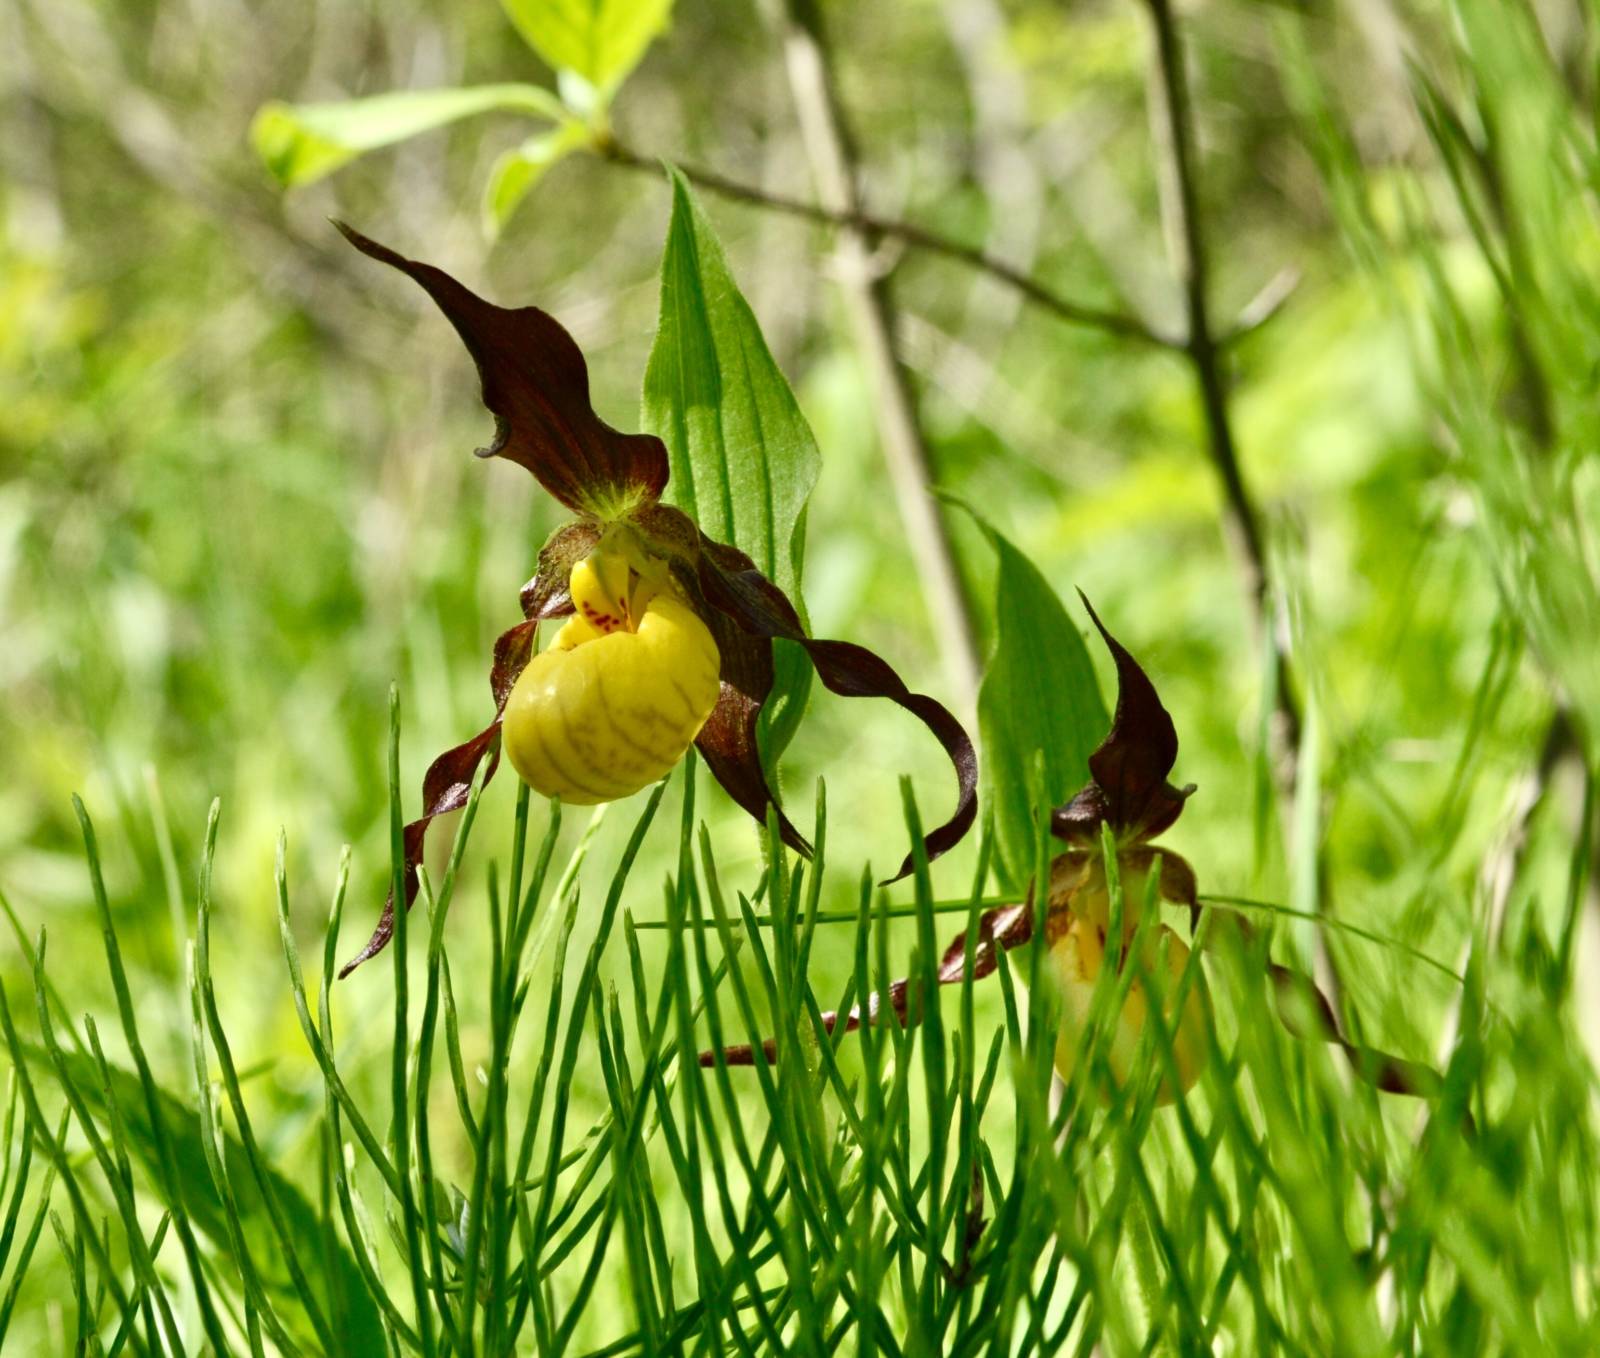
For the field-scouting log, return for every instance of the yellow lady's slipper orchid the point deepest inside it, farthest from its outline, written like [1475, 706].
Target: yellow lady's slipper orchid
[1127, 794]
[673, 635]
[620, 694]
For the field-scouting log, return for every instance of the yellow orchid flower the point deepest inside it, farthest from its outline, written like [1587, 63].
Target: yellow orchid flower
[1127, 795]
[671, 634]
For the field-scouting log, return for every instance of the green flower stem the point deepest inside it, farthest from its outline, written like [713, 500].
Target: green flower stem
[400, 1124]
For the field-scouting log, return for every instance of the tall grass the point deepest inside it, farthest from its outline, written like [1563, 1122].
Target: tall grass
[898, 1189]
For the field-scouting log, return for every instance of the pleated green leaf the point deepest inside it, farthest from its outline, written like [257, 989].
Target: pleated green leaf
[743, 457]
[1039, 693]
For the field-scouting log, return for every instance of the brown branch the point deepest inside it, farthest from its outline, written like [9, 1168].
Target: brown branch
[1263, 307]
[916, 237]
[1204, 349]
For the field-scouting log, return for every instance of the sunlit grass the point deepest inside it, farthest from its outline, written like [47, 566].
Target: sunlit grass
[894, 1190]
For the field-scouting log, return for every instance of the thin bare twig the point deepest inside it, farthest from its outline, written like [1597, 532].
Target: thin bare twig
[1205, 348]
[1205, 353]
[855, 217]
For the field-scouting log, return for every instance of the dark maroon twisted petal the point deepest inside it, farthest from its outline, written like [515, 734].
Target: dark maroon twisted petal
[536, 385]
[1000, 929]
[732, 586]
[1128, 789]
[448, 782]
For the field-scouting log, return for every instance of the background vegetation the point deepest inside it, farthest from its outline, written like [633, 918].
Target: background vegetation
[237, 502]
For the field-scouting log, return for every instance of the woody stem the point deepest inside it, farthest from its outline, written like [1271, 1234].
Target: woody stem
[872, 318]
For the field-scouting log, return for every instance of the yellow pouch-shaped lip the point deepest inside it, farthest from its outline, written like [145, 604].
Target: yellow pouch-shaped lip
[1081, 916]
[1075, 961]
[619, 696]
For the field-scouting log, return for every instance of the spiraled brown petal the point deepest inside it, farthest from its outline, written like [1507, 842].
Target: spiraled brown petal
[1392, 1074]
[1296, 996]
[536, 385]
[727, 741]
[731, 585]
[1129, 789]
[448, 781]
[444, 788]
[513, 648]
[1003, 928]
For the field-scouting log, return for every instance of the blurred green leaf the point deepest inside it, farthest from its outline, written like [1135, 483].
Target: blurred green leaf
[301, 143]
[743, 457]
[1039, 692]
[340, 1288]
[517, 171]
[600, 40]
